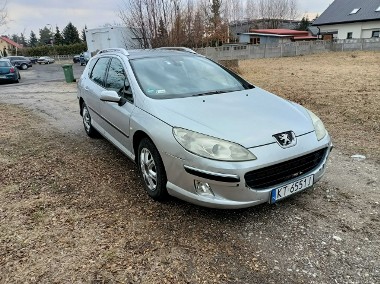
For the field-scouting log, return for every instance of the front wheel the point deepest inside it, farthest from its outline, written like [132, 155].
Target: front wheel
[152, 170]
[87, 122]
[24, 66]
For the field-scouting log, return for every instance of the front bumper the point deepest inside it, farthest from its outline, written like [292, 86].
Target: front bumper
[226, 179]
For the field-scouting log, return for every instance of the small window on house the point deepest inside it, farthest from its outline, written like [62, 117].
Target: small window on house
[376, 34]
[378, 9]
[349, 35]
[355, 11]
[255, 40]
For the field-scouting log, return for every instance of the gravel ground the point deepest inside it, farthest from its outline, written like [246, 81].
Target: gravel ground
[73, 209]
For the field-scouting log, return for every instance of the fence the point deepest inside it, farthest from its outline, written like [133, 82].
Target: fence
[229, 52]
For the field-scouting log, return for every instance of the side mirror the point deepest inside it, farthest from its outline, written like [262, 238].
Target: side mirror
[110, 96]
[113, 97]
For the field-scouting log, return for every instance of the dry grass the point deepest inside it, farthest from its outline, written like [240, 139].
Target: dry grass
[74, 211]
[342, 88]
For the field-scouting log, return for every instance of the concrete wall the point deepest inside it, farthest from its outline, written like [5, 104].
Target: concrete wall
[287, 49]
[358, 30]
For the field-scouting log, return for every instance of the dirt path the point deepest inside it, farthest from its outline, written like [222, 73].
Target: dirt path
[73, 210]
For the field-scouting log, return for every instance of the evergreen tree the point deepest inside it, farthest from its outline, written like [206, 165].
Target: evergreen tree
[23, 40]
[305, 23]
[215, 18]
[84, 34]
[15, 38]
[198, 29]
[46, 36]
[70, 34]
[216, 28]
[33, 41]
[162, 34]
[58, 39]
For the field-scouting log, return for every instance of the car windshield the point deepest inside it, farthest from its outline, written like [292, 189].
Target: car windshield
[184, 76]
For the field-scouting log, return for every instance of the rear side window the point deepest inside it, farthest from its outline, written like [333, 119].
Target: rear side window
[98, 73]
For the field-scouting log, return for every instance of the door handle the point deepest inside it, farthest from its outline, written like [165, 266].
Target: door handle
[86, 88]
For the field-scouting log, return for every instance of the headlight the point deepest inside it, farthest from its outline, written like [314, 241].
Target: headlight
[210, 147]
[320, 129]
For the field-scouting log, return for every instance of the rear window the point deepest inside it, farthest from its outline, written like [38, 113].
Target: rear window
[5, 64]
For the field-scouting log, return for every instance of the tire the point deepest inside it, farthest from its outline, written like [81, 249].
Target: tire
[90, 130]
[152, 170]
[24, 66]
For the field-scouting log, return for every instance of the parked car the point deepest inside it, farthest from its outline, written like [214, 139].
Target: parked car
[20, 62]
[33, 60]
[8, 72]
[84, 58]
[198, 131]
[76, 58]
[45, 60]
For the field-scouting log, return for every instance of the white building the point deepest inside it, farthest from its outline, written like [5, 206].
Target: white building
[108, 37]
[353, 19]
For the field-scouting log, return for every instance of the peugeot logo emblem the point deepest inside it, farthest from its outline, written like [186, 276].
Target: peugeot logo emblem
[286, 139]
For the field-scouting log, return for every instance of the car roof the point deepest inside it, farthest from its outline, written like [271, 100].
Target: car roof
[146, 53]
[4, 59]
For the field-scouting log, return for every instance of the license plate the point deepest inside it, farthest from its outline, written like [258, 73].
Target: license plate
[3, 77]
[291, 188]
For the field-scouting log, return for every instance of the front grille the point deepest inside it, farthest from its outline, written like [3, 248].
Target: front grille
[276, 174]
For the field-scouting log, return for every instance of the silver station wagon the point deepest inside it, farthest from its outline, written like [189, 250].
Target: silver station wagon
[198, 131]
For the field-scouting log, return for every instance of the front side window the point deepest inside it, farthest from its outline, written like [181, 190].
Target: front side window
[117, 80]
[183, 76]
[98, 73]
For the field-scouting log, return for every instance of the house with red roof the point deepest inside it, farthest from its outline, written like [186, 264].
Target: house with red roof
[274, 36]
[8, 46]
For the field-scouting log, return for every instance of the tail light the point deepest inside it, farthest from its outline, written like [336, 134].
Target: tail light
[12, 70]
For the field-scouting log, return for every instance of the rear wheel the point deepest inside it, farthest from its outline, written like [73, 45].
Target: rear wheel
[152, 170]
[18, 78]
[87, 122]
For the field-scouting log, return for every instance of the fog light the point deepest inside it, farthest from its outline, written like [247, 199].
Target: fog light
[203, 188]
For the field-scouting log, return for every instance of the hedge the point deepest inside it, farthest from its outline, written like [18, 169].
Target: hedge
[53, 50]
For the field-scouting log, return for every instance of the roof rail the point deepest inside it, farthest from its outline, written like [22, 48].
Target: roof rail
[120, 50]
[180, 48]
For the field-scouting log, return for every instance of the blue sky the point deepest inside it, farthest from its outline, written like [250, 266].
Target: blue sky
[27, 15]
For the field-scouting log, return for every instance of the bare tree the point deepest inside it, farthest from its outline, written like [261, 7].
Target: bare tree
[275, 11]
[192, 22]
[3, 12]
[250, 9]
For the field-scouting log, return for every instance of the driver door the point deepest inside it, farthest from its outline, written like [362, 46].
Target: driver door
[117, 116]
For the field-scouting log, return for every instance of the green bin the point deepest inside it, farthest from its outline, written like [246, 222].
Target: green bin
[69, 75]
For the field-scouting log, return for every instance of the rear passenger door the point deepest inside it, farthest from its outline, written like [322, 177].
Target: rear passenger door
[118, 116]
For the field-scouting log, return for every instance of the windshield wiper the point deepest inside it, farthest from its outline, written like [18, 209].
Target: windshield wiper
[209, 93]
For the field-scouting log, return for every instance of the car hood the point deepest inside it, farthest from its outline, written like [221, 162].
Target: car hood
[249, 118]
